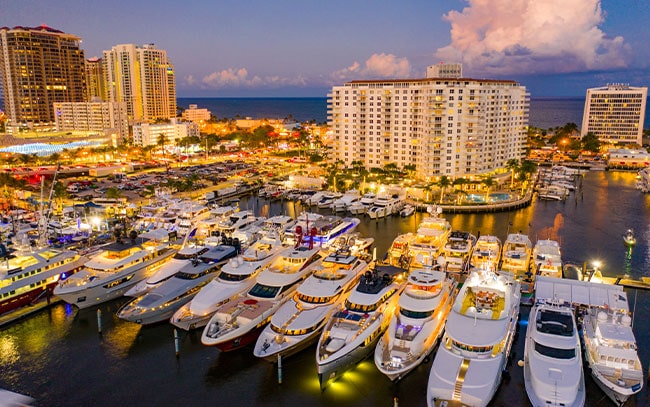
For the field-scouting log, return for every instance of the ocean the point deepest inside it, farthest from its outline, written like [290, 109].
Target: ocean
[545, 112]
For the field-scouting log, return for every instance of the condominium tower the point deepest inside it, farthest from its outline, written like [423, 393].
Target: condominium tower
[615, 113]
[143, 77]
[95, 79]
[452, 127]
[38, 67]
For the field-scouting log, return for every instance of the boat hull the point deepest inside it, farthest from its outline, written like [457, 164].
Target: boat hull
[242, 340]
[331, 369]
[299, 344]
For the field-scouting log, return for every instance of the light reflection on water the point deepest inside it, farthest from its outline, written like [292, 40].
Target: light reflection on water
[58, 357]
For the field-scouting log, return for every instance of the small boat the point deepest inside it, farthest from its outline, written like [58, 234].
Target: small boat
[628, 238]
[407, 210]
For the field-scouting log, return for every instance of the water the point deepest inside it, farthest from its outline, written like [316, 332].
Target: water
[58, 357]
[545, 113]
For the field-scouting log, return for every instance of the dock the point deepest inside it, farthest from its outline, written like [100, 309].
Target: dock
[27, 310]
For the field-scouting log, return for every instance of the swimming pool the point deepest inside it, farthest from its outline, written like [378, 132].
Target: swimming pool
[496, 197]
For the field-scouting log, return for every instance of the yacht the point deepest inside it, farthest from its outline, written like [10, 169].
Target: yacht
[398, 253]
[193, 213]
[429, 240]
[553, 374]
[610, 347]
[356, 326]
[478, 336]
[407, 211]
[352, 242]
[239, 322]
[487, 252]
[161, 302]
[323, 230]
[236, 221]
[117, 267]
[515, 257]
[457, 251]
[299, 321]
[327, 200]
[416, 327]
[30, 273]
[364, 203]
[385, 205]
[357, 208]
[547, 259]
[302, 225]
[643, 180]
[344, 202]
[237, 276]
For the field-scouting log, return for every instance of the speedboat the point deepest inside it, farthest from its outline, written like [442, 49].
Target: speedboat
[429, 240]
[160, 303]
[628, 238]
[299, 321]
[30, 273]
[416, 327]
[117, 267]
[487, 252]
[407, 211]
[547, 258]
[239, 322]
[474, 350]
[456, 252]
[237, 276]
[356, 326]
[610, 347]
[553, 374]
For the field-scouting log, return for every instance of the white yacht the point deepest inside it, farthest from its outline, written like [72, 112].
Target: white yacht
[553, 374]
[239, 322]
[547, 258]
[299, 321]
[301, 227]
[346, 200]
[478, 336]
[115, 269]
[237, 276]
[236, 221]
[398, 253]
[356, 326]
[323, 230]
[364, 203]
[352, 242]
[429, 240]
[487, 252]
[193, 213]
[385, 205]
[407, 211]
[516, 254]
[160, 303]
[327, 200]
[416, 327]
[457, 251]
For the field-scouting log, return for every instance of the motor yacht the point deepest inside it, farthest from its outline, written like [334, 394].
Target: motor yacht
[355, 326]
[346, 200]
[193, 213]
[237, 276]
[117, 267]
[323, 230]
[553, 374]
[354, 243]
[236, 221]
[398, 254]
[416, 327]
[487, 252]
[457, 251]
[429, 240]
[478, 336]
[161, 302]
[239, 322]
[385, 205]
[299, 321]
[516, 254]
[547, 258]
[302, 225]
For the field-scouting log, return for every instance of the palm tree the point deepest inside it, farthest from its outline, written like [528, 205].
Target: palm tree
[162, 140]
[443, 183]
[489, 182]
[513, 165]
[60, 193]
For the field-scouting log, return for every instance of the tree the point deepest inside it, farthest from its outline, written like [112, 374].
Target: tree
[410, 168]
[489, 182]
[512, 165]
[113, 193]
[443, 183]
[590, 142]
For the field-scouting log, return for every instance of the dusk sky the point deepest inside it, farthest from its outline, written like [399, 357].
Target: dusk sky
[303, 48]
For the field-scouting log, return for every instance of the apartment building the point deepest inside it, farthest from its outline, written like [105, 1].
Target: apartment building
[96, 116]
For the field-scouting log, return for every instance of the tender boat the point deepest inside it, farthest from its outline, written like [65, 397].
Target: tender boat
[299, 321]
[237, 276]
[116, 268]
[429, 240]
[628, 238]
[161, 302]
[457, 251]
[239, 322]
[547, 258]
[355, 327]
[416, 327]
[487, 252]
[474, 350]
[553, 374]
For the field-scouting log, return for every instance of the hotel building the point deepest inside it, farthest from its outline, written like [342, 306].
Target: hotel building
[143, 78]
[147, 134]
[615, 113]
[38, 67]
[97, 116]
[455, 127]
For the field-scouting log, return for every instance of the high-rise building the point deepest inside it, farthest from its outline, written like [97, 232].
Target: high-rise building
[96, 116]
[95, 79]
[454, 127]
[615, 113]
[39, 66]
[143, 77]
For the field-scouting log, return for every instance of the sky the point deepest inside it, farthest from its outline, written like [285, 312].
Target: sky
[301, 48]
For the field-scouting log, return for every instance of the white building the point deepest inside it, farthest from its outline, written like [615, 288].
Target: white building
[628, 158]
[106, 117]
[443, 70]
[143, 78]
[196, 115]
[615, 113]
[146, 134]
[444, 126]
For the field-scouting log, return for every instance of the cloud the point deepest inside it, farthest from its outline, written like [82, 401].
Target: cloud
[239, 78]
[376, 67]
[532, 36]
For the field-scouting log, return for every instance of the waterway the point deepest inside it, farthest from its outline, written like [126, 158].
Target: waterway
[58, 357]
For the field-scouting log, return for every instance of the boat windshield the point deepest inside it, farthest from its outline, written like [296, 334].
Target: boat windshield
[555, 323]
[233, 277]
[555, 353]
[263, 291]
[415, 314]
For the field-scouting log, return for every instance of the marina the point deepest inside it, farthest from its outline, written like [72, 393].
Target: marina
[127, 355]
